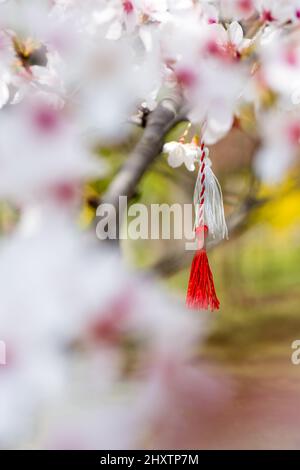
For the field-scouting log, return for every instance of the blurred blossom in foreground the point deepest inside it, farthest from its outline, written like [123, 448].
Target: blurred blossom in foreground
[68, 326]
[46, 152]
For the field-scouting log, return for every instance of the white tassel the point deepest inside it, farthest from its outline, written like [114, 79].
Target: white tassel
[212, 213]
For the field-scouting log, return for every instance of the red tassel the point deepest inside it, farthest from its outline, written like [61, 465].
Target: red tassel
[201, 292]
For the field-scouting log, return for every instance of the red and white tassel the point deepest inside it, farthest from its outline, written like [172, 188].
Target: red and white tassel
[209, 222]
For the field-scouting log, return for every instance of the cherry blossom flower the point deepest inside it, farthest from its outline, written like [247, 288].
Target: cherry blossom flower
[48, 151]
[278, 11]
[181, 153]
[281, 140]
[230, 41]
[42, 266]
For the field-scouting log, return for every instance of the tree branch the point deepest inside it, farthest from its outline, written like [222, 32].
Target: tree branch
[159, 123]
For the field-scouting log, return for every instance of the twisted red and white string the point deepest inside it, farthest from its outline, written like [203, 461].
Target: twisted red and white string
[199, 200]
[201, 196]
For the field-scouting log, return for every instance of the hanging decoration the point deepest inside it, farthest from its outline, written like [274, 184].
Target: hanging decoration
[209, 218]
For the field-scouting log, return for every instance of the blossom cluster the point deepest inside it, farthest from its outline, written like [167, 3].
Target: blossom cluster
[83, 67]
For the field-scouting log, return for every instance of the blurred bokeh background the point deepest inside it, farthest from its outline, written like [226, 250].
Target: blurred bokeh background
[257, 275]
